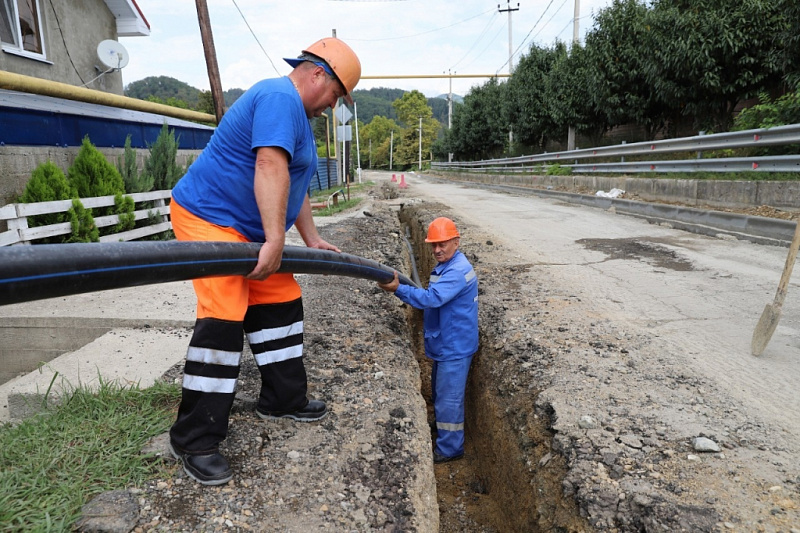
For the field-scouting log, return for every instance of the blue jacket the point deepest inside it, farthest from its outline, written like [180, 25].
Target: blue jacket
[451, 309]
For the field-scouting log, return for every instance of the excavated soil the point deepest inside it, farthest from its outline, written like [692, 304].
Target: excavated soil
[368, 465]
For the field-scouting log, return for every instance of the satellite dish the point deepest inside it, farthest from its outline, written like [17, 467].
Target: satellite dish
[112, 54]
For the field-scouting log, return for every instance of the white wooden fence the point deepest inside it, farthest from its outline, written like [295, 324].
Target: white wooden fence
[17, 215]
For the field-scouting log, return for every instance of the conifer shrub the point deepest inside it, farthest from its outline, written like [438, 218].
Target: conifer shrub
[82, 222]
[129, 170]
[160, 166]
[124, 207]
[47, 184]
[92, 175]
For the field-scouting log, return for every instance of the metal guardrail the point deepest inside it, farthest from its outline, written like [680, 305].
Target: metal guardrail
[777, 136]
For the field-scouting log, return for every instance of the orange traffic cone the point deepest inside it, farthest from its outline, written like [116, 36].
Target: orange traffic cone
[403, 183]
[394, 178]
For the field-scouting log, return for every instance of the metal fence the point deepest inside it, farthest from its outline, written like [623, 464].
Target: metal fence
[777, 136]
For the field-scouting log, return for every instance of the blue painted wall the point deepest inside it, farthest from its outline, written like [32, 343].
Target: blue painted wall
[32, 127]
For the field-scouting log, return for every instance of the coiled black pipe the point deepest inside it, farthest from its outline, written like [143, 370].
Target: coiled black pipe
[49, 270]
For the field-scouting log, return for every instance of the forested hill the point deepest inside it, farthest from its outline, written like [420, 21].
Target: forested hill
[378, 101]
[164, 88]
[371, 102]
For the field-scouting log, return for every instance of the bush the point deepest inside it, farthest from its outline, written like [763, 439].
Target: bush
[124, 207]
[92, 175]
[768, 113]
[83, 228]
[160, 166]
[557, 170]
[47, 184]
[129, 170]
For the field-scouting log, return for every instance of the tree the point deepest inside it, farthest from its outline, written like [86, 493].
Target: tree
[378, 134]
[787, 42]
[707, 55]
[480, 129]
[410, 108]
[570, 87]
[617, 59]
[527, 98]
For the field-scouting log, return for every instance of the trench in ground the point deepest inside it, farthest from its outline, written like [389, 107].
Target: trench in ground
[497, 486]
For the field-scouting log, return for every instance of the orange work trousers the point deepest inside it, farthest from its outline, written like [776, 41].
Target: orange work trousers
[228, 297]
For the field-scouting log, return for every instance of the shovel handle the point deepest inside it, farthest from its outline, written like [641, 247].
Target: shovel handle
[783, 285]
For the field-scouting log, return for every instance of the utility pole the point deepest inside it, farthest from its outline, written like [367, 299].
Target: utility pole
[575, 22]
[450, 102]
[211, 58]
[450, 114]
[391, 149]
[358, 145]
[509, 9]
[420, 143]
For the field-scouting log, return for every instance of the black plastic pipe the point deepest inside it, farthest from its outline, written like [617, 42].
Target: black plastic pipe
[49, 270]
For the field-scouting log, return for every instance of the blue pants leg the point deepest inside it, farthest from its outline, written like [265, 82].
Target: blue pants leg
[448, 386]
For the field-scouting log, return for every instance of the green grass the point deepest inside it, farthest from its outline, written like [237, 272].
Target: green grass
[55, 462]
[356, 189]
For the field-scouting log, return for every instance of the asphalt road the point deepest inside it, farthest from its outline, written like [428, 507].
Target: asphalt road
[699, 296]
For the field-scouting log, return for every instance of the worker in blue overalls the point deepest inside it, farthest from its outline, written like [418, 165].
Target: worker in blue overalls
[450, 305]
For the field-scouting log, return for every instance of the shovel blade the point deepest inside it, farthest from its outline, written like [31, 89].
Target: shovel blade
[765, 328]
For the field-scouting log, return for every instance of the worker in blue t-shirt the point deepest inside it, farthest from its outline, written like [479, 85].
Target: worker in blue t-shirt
[450, 321]
[250, 185]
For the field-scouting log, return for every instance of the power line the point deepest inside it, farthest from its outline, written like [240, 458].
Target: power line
[417, 34]
[529, 34]
[571, 21]
[485, 29]
[254, 37]
[487, 46]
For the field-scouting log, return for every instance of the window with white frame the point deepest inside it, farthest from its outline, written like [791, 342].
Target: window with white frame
[21, 27]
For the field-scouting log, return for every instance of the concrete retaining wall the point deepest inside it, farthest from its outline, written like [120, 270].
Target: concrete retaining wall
[18, 162]
[715, 193]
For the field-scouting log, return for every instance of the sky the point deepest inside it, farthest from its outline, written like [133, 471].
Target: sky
[391, 37]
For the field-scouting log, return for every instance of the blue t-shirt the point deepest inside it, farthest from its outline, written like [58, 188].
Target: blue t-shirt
[218, 187]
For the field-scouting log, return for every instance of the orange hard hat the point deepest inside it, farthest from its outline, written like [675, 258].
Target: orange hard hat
[339, 57]
[442, 229]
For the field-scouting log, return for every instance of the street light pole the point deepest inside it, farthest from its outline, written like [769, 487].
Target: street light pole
[420, 143]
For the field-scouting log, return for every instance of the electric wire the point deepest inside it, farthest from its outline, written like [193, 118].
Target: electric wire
[254, 36]
[571, 21]
[496, 35]
[66, 48]
[526, 37]
[422, 33]
[485, 30]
